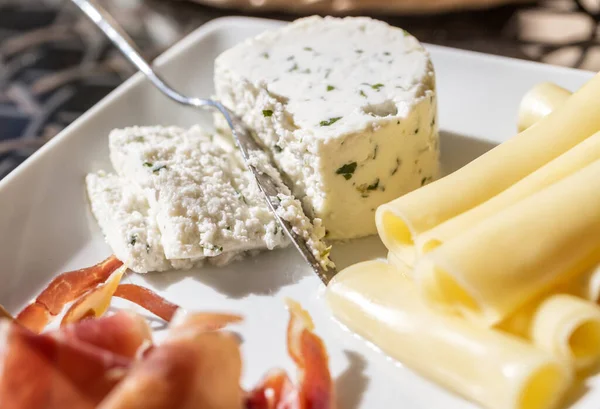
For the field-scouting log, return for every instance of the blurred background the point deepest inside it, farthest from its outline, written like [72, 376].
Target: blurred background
[54, 65]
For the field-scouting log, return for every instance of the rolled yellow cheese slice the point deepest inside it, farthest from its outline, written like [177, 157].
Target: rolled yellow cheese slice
[566, 164]
[509, 259]
[400, 221]
[496, 370]
[568, 327]
[562, 324]
[587, 286]
[539, 102]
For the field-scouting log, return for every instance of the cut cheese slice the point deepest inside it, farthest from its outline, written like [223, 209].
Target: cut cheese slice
[497, 370]
[130, 228]
[205, 201]
[571, 161]
[562, 324]
[569, 328]
[128, 225]
[399, 222]
[510, 258]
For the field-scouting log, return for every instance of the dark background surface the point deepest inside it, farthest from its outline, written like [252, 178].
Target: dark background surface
[54, 65]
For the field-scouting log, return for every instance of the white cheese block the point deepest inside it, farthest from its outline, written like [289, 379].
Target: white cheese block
[129, 227]
[348, 109]
[204, 201]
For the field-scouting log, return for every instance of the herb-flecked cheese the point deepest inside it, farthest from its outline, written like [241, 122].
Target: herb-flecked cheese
[204, 200]
[347, 108]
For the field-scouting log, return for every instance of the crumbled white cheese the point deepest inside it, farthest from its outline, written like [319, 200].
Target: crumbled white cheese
[206, 203]
[129, 227]
[313, 232]
[290, 210]
[199, 186]
[347, 108]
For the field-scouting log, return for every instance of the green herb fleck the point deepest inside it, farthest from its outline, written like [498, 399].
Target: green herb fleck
[347, 170]
[362, 93]
[211, 247]
[330, 121]
[308, 48]
[377, 87]
[159, 168]
[267, 113]
[373, 185]
[294, 68]
[375, 151]
[265, 56]
[139, 139]
[330, 88]
[148, 164]
[306, 71]
[398, 163]
[426, 180]
[277, 148]
[359, 51]
[387, 53]
[133, 239]
[406, 33]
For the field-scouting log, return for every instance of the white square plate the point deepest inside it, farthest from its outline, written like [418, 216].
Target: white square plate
[46, 226]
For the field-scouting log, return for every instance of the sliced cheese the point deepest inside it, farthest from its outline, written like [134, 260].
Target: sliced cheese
[491, 270]
[205, 202]
[128, 225]
[566, 164]
[496, 370]
[402, 220]
[562, 324]
[569, 328]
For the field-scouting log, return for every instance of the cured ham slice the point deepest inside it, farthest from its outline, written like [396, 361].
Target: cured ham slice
[183, 322]
[201, 372]
[308, 352]
[315, 389]
[110, 362]
[63, 289]
[41, 371]
[275, 391]
[123, 333]
[147, 299]
[95, 302]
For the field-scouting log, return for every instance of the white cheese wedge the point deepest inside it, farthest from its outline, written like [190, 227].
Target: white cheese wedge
[129, 227]
[204, 201]
[348, 109]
